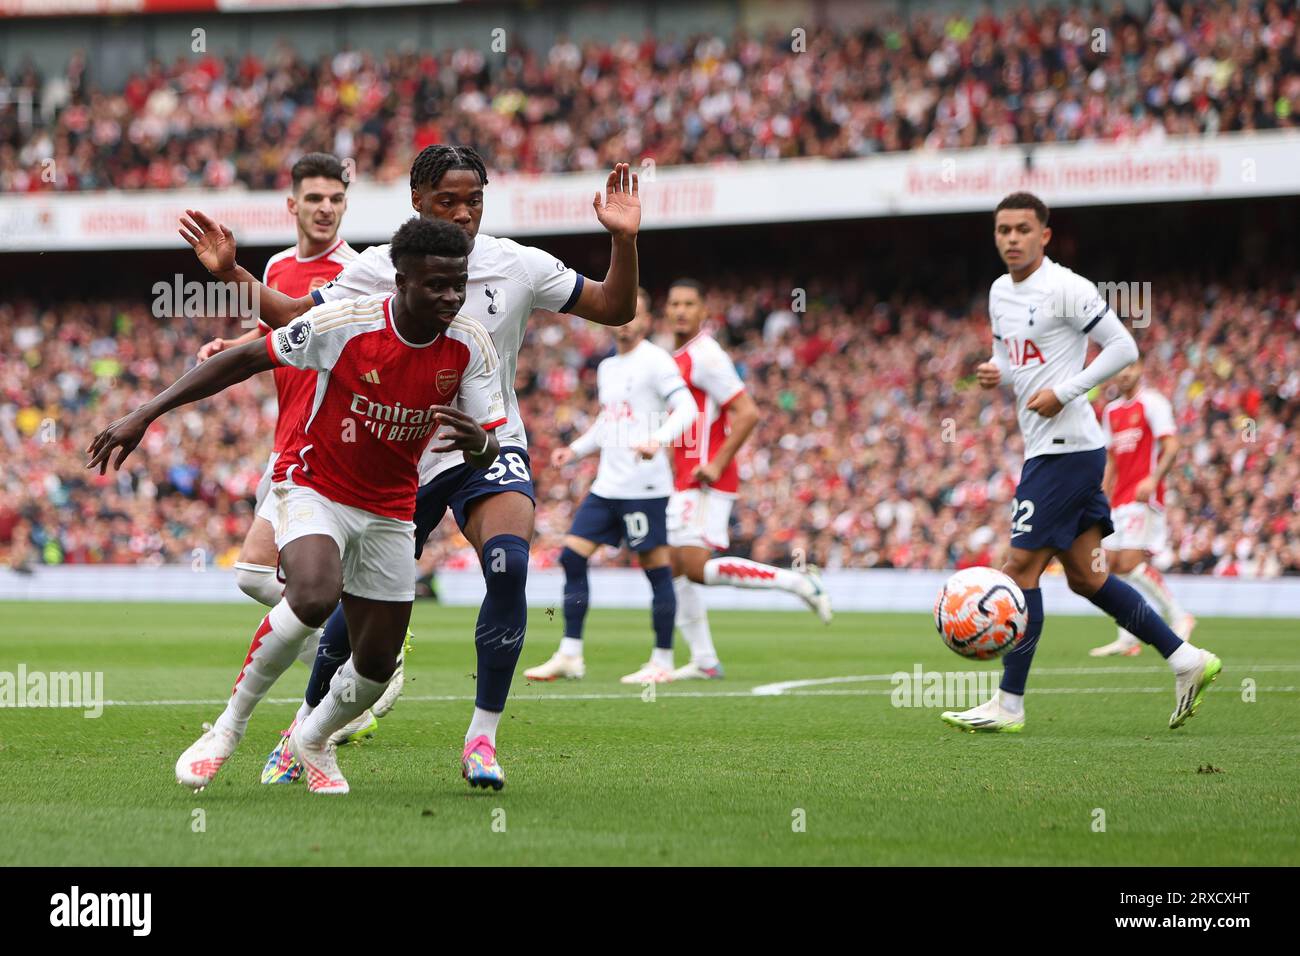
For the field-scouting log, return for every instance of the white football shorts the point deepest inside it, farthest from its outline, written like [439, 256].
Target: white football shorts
[378, 553]
[1138, 527]
[698, 518]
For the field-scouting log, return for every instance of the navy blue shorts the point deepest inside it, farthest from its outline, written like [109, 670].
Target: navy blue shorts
[1059, 498]
[642, 522]
[456, 487]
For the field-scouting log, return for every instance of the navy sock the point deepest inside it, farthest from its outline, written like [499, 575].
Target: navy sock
[334, 649]
[575, 592]
[502, 620]
[1015, 665]
[663, 605]
[1121, 601]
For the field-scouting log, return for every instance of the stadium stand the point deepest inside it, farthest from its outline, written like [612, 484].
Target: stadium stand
[854, 461]
[922, 81]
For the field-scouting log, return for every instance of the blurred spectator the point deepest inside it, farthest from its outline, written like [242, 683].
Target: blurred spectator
[913, 81]
[876, 448]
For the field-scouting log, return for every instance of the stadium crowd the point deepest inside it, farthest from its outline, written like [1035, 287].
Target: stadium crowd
[1140, 72]
[875, 449]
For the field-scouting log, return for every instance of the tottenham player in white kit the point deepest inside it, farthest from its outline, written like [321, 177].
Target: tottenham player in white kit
[494, 508]
[1043, 316]
[644, 407]
[1141, 443]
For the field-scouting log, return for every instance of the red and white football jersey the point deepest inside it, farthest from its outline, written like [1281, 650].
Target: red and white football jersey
[296, 277]
[712, 379]
[371, 412]
[1132, 428]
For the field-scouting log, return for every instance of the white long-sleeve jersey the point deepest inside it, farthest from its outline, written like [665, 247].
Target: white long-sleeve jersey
[1041, 328]
[642, 397]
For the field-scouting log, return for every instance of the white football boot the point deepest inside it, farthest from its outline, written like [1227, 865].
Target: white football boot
[1189, 687]
[648, 673]
[989, 717]
[320, 764]
[1126, 645]
[817, 598]
[559, 666]
[200, 763]
[363, 726]
[693, 671]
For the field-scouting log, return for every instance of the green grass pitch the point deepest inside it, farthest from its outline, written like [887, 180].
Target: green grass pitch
[826, 773]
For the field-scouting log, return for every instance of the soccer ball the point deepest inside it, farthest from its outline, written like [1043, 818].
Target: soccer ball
[980, 613]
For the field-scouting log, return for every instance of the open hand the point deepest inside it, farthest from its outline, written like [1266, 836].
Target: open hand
[125, 433]
[621, 213]
[211, 241]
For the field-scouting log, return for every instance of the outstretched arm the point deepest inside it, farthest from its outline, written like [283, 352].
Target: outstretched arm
[613, 300]
[208, 378]
[214, 244]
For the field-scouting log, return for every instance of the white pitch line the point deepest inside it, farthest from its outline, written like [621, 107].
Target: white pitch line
[668, 695]
[780, 687]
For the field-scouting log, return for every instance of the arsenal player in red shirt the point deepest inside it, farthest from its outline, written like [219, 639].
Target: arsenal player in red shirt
[1141, 443]
[317, 203]
[388, 369]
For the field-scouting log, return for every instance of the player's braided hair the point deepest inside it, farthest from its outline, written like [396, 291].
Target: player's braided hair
[427, 237]
[437, 160]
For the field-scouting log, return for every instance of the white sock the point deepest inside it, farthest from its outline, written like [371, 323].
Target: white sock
[483, 724]
[304, 711]
[1154, 590]
[743, 573]
[662, 657]
[571, 646]
[693, 622]
[1173, 610]
[258, 582]
[1185, 658]
[308, 653]
[277, 640]
[350, 695]
[1126, 639]
[1013, 704]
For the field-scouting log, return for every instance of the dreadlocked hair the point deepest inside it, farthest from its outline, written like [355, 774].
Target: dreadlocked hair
[437, 160]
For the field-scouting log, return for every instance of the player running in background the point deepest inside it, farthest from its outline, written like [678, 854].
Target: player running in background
[318, 200]
[494, 508]
[644, 406]
[1142, 445]
[1043, 316]
[388, 367]
[706, 480]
